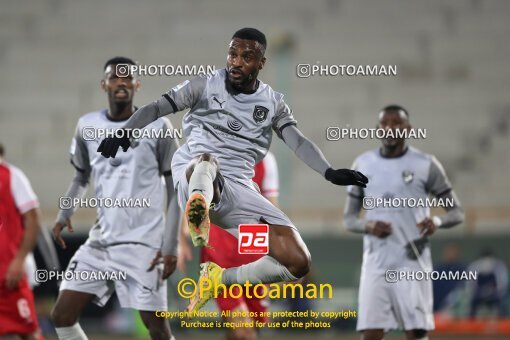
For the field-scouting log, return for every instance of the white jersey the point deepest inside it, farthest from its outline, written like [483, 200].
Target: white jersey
[234, 127]
[136, 174]
[415, 174]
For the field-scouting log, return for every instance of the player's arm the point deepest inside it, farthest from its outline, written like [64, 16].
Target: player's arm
[165, 149]
[46, 247]
[28, 204]
[77, 188]
[183, 96]
[270, 182]
[352, 210]
[284, 125]
[32, 227]
[439, 186]
[311, 155]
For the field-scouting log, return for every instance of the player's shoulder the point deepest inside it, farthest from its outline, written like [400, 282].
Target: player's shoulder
[418, 154]
[16, 173]
[91, 118]
[268, 91]
[368, 156]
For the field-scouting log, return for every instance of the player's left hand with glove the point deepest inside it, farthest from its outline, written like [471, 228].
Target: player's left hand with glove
[110, 145]
[346, 177]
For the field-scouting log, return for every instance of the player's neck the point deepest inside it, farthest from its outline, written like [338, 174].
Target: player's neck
[120, 111]
[250, 88]
[397, 151]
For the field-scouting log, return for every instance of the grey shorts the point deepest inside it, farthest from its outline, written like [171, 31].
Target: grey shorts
[240, 203]
[140, 289]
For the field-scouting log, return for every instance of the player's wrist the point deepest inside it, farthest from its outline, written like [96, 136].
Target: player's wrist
[437, 221]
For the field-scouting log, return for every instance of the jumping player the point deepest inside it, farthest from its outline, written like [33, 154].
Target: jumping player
[224, 252]
[19, 229]
[123, 238]
[396, 238]
[228, 130]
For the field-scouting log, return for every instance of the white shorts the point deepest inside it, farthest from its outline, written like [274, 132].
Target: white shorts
[404, 305]
[141, 290]
[240, 203]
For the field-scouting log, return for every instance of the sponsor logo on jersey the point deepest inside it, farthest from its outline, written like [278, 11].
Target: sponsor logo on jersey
[234, 124]
[260, 114]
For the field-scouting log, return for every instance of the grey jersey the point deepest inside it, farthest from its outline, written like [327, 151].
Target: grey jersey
[235, 128]
[415, 174]
[137, 173]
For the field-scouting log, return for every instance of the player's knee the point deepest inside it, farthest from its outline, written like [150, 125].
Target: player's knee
[301, 264]
[203, 157]
[373, 334]
[62, 318]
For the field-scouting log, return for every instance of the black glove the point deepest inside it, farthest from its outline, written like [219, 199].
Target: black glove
[346, 177]
[110, 145]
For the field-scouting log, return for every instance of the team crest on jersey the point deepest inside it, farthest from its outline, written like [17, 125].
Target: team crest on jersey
[260, 114]
[234, 124]
[407, 176]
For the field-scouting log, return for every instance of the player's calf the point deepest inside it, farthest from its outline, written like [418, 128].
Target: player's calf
[158, 327]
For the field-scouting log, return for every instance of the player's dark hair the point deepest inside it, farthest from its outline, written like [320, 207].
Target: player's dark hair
[395, 107]
[251, 34]
[1, 150]
[118, 60]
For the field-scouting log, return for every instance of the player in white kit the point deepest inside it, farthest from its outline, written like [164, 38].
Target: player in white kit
[396, 238]
[123, 239]
[229, 129]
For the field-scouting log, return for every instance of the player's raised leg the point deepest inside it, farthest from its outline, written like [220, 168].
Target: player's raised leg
[66, 312]
[203, 190]
[288, 260]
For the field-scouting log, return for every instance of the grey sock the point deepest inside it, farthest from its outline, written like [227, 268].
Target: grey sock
[264, 270]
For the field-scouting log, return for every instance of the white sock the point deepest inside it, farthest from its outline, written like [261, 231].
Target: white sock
[202, 180]
[71, 333]
[424, 338]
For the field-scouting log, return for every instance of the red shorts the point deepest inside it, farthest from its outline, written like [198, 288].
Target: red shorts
[224, 253]
[17, 311]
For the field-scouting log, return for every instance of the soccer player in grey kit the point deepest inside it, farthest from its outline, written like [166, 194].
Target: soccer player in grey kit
[228, 130]
[396, 238]
[123, 239]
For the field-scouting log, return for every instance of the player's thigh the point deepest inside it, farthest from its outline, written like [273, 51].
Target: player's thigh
[78, 276]
[139, 289]
[412, 301]
[375, 309]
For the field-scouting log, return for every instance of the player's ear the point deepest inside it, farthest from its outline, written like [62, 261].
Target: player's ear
[103, 85]
[262, 63]
[137, 84]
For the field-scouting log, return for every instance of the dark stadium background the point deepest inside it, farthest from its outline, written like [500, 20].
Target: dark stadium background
[453, 70]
